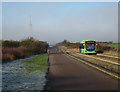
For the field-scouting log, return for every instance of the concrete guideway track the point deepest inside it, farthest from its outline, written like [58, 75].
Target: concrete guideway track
[65, 73]
[116, 63]
[108, 56]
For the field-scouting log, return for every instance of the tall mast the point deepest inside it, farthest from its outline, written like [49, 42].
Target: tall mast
[30, 24]
[29, 27]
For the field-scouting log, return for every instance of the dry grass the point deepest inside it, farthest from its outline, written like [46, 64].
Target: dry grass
[7, 57]
[12, 50]
[9, 54]
[111, 52]
[107, 50]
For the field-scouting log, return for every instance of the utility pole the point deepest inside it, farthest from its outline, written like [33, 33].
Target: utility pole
[30, 24]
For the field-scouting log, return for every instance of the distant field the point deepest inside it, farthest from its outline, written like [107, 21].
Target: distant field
[115, 45]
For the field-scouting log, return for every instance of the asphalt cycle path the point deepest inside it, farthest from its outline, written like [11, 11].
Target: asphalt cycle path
[66, 73]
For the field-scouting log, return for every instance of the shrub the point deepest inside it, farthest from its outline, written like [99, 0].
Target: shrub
[19, 49]
[14, 53]
[7, 57]
[10, 43]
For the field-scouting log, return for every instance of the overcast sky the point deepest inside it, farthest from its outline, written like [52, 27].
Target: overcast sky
[54, 22]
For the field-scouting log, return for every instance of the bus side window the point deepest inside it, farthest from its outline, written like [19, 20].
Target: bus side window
[81, 46]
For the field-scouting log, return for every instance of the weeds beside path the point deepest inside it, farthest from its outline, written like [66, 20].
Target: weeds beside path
[39, 62]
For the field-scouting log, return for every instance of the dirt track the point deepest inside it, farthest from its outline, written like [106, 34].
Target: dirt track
[65, 73]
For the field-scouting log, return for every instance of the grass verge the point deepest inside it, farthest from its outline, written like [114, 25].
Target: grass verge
[37, 63]
[115, 45]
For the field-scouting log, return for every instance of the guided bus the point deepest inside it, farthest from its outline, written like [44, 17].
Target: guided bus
[88, 47]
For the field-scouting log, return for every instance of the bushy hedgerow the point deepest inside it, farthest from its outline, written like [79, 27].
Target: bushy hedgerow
[19, 49]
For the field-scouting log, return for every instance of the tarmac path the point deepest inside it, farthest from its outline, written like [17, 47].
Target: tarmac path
[65, 73]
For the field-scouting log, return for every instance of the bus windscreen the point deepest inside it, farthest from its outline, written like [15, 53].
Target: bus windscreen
[90, 45]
